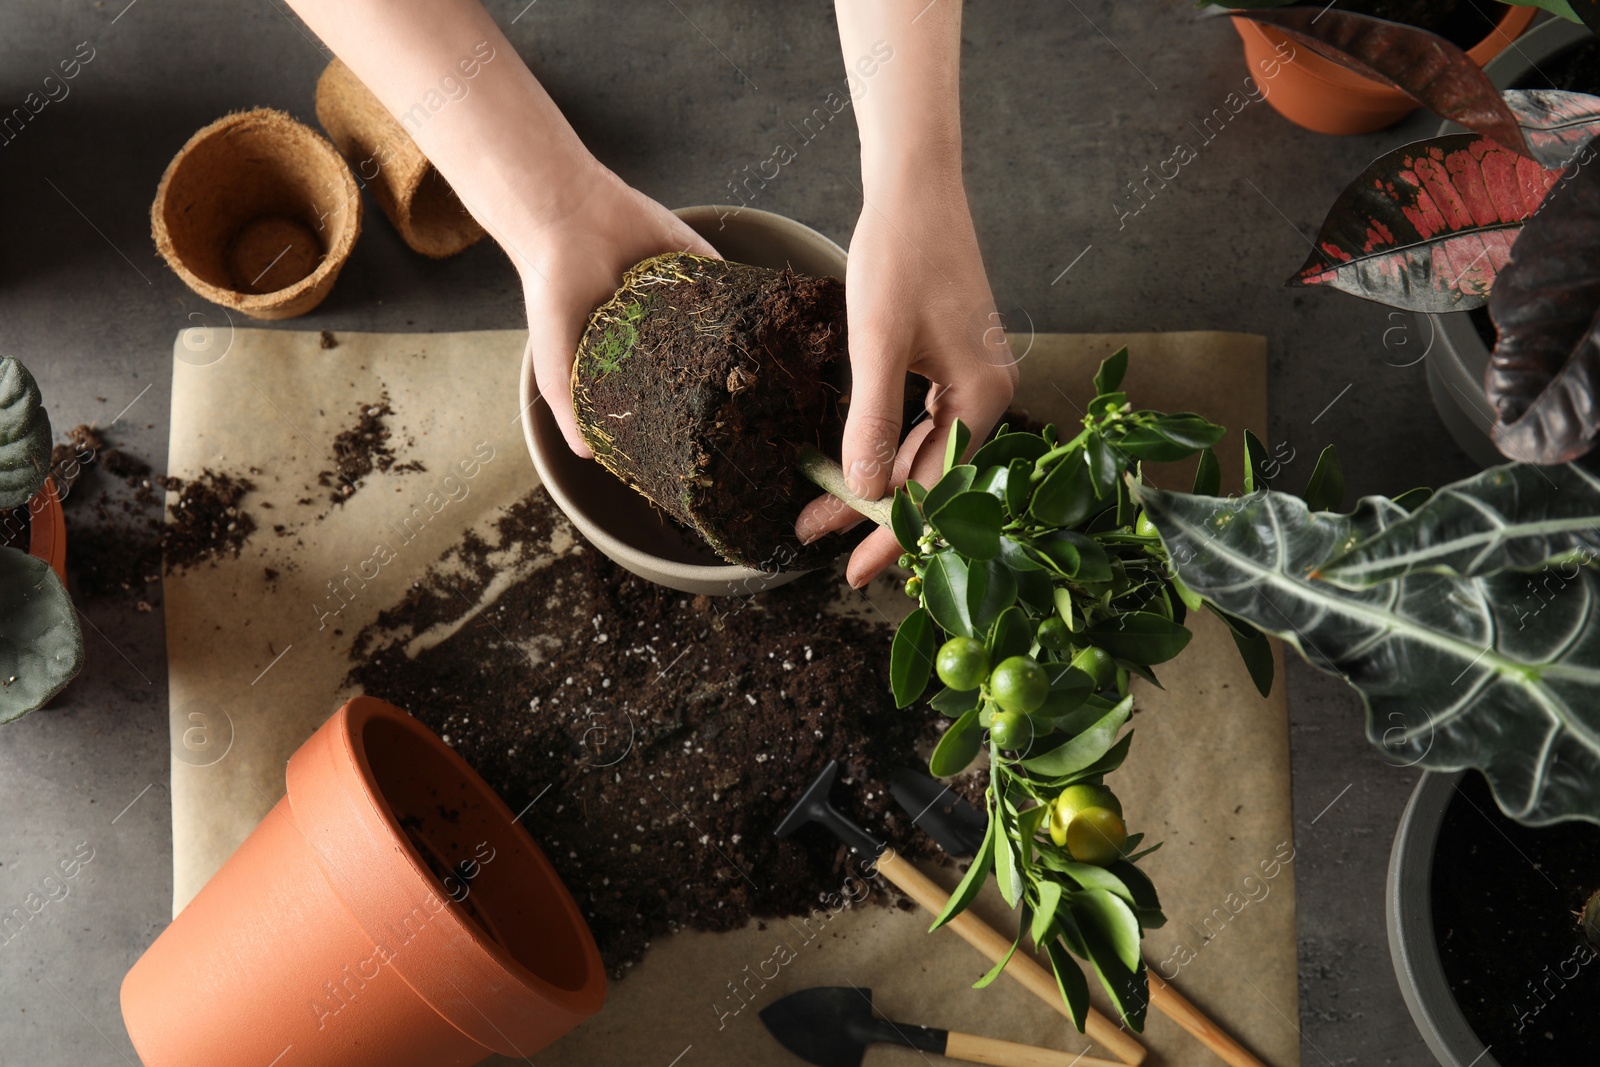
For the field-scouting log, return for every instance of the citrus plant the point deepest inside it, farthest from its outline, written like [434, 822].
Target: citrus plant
[1041, 591]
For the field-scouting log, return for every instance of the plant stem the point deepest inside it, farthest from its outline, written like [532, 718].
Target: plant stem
[829, 477]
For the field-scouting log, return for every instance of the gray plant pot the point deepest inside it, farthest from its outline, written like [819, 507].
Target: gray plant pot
[617, 520]
[1457, 357]
[1409, 914]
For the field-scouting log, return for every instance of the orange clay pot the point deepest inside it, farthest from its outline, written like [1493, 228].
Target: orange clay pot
[47, 529]
[1320, 95]
[386, 912]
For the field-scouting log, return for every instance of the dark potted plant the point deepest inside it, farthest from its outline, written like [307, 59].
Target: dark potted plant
[41, 646]
[1326, 93]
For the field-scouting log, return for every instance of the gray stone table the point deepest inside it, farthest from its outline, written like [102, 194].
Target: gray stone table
[1064, 104]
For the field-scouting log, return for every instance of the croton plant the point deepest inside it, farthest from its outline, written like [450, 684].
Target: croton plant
[1505, 213]
[1048, 573]
[41, 646]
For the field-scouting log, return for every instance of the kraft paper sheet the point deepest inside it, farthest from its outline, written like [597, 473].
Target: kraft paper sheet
[257, 664]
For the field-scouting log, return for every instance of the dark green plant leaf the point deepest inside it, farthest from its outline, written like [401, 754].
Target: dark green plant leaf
[1325, 490]
[1085, 749]
[944, 593]
[955, 446]
[1455, 672]
[1428, 226]
[41, 647]
[967, 891]
[1141, 637]
[911, 658]
[956, 481]
[1111, 934]
[1256, 459]
[1544, 371]
[1112, 369]
[1253, 649]
[1105, 464]
[1146, 904]
[915, 490]
[1069, 689]
[1045, 911]
[1007, 448]
[971, 523]
[1000, 965]
[1074, 988]
[1424, 66]
[24, 435]
[954, 702]
[1012, 635]
[1019, 484]
[1067, 495]
[1033, 588]
[1076, 556]
[991, 588]
[958, 747]
[992, 480]
[906, 520]
[1208, 474]
[1020, 557]
[1513, 517]
[1412, 499]
[1007, 875]
[1104, 766]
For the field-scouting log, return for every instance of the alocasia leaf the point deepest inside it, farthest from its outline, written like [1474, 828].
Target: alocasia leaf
[1514, 517]
[1455, 672]
[1427, 226]
[1545, 367]
[1423, 65]
[41, 647]
[24, 435]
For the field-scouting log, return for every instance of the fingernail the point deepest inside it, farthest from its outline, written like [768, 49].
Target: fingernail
[807, 532]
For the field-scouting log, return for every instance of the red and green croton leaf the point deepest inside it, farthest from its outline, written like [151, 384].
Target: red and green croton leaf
[1423, 65]
[1543, 378]
[1427, 226]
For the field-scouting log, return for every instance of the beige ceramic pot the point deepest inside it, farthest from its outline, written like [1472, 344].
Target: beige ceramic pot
[617, 520]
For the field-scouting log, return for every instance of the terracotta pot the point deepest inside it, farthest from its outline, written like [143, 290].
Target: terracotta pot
[416, 199]
[47, 529]
[618, 521]
[388, 911]
[257, 213]
[1320, 95]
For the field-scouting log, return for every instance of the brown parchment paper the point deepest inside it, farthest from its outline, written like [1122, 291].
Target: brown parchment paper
[258, 662]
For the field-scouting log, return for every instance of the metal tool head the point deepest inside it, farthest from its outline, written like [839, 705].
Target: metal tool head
[813, 806]
[824, 1025]
[939, 811]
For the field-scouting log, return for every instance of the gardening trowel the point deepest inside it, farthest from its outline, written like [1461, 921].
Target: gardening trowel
[939, 811]
[831, 1026]
[959, 829]
[813, 806]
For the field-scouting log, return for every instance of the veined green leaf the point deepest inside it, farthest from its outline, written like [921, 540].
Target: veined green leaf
[967, 891]
[1141, 637]
[1513, 517]
[1111, 934]
[1049, 897]
[956, 480]
[958, 747]
[1007, 875]
[1455, 672]
[906, 520]
[944, 592]
[991, 588]
[971, 522]
[956, 444]
[1067, 495]
[911, 658]
[1086, 748]
[24, 436]
[953, 702]
[41, 645]
[1011, 635]
[1111, 372]
[1006, 449]
[1070, 982]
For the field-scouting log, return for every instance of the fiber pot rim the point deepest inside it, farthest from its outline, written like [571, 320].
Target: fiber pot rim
[1507, 29]
[484, 990]
[1408, 917]
[260, 305]
[538, 429]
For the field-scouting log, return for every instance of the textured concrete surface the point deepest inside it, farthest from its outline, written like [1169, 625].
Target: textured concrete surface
[1064, 104]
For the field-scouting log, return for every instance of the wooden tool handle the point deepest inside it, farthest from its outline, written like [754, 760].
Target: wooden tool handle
[1174, 1006]
[987, 940]
[975, 1049]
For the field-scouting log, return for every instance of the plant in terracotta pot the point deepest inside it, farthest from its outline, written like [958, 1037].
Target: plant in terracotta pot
[1361, 65]
[1040, 591]
[41, 647]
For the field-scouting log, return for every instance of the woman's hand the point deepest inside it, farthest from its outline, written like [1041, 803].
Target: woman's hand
[571, 265]
[918, 301]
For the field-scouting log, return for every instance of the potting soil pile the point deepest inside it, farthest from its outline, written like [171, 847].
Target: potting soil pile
[391, 537]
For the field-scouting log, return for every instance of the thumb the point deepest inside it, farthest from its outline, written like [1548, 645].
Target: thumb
[872, 427]
[681, 236]
[553, 338]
